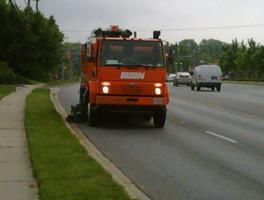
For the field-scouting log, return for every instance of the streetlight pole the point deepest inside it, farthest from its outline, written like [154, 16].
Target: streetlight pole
[62, 71]
[181, 66]
[193, 58]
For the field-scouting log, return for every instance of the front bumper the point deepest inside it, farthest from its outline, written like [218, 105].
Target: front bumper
[209, 84]
[183, 81]
[131, 100]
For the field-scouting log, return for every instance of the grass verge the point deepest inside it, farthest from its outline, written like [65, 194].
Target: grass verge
[61, 165]
[6, 89]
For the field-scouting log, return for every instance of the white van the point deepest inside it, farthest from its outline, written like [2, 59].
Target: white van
[209, 76]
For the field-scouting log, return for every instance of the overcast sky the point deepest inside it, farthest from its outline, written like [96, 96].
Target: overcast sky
[77, 18]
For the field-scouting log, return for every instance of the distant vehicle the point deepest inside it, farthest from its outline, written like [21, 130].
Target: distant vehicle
[182, 78]
[209, 76]
[170, 77]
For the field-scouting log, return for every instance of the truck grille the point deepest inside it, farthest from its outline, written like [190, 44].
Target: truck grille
[132, 90]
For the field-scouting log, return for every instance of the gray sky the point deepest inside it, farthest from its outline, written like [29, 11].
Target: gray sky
[77, 18]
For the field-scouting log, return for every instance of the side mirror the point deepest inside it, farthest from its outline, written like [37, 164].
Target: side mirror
[156, 34]
[89, 55]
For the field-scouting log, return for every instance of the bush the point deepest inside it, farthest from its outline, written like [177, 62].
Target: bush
[7, 76]
[22, 80]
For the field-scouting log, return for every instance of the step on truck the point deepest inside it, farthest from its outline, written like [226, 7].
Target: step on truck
[123, 74]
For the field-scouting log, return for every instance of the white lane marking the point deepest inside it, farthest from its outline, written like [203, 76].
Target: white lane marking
[220, 136]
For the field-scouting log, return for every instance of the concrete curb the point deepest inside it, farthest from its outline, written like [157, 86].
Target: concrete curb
[133, 191]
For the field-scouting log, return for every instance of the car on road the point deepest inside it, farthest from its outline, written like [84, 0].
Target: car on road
[209, 76]
[182, 78]
[170, 77]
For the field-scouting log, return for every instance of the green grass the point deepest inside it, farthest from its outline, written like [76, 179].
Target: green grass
[62, 167]
[6, 89]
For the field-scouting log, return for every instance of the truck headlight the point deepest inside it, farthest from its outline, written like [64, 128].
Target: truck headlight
[105, 89]
[157, 91]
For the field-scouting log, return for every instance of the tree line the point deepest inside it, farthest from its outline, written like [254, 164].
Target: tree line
[72, 61]
[243, 61]
[187, 54]
[238, 60]
[30, 43]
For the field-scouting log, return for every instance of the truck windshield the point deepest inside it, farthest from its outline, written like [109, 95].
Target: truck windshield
[131, 53]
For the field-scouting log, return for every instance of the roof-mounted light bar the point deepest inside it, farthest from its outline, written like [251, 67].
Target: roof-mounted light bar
[113, 32]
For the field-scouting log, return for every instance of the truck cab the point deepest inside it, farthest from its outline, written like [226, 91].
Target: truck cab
[123, 74]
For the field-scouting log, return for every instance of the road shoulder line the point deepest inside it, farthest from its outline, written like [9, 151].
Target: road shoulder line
[133, 191]
[221, 136]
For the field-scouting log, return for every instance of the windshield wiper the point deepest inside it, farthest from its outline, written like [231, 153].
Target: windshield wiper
[146, 66]
[118, 65]
[139, 65]
[135, 66]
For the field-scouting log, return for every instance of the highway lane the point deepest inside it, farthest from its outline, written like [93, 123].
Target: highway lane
[211, 148]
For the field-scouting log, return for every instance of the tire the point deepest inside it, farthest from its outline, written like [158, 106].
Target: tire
[91, 115]
[192, 87]
[212, 88]
[218, 88]
[198, 88]
[159, 117]
[147, 118]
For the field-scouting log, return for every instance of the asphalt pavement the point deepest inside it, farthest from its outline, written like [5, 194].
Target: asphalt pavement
[212, 146]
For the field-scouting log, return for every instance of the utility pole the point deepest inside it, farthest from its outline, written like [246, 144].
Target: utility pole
[79, 67]
[37, 5]
[28, 3]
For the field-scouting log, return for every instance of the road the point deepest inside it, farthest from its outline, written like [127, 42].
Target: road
[211, 148]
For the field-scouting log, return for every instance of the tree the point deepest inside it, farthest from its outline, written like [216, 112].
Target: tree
[187, 54]
[245, 61]
[31, 44]
[210, 50]
[74, 63]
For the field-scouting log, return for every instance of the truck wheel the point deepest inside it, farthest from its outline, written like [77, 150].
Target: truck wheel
[192, 87]
[198, 88]
[212, 88]
[218, 88]
[91, 115]
[159, 117]
[146, 118]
